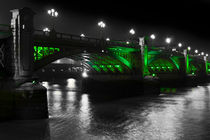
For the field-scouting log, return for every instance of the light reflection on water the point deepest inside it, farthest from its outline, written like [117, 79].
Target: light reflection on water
[175, 114]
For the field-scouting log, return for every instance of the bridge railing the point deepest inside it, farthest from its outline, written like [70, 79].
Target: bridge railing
[65, 36]
[70, 37]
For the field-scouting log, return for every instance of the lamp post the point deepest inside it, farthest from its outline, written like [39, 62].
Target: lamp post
[54, 14]
[102, 25]
[196, 51]
[46, 30]
[132, 33]
[168, 41]
[152, 36]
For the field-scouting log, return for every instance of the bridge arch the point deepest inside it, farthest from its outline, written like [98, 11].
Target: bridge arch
[162, 64]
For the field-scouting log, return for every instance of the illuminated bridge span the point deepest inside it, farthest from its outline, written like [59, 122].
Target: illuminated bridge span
[25, 50]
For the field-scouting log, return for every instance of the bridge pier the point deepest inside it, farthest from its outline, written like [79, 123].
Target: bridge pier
[20, 97]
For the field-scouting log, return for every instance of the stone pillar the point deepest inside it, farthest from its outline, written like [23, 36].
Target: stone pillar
[144, 54]
[22, 25]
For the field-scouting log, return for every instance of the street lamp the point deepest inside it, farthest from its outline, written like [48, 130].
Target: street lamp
[132, 31]
[196, 51]
[82, 35]
[168, 40]
[53, 13]
[107, 39]
[207, 54]
[152, 36]
[202, 53]
[102, 25]
[180, 45]
[188, 48]
[46, 30]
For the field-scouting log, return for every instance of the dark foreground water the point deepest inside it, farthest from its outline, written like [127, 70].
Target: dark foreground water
[176, 114]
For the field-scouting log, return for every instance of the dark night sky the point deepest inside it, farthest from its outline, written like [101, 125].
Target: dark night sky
[185, 20]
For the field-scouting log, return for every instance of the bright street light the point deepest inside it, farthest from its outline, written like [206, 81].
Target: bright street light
[188, 48]
[101, 24]
[132, 31]
[207, 54]
[52, 13]
[46, 30]
[107, 39]
[180, 45]
[168, 40]
[82, 35]
[127, 42]
[196, 51]
[152, 36]
[202, 53]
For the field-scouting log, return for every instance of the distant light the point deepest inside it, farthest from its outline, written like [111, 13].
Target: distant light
[174, 49]
[107, 39]
[102, 50]
[196, 51]
[207, 54]
[101, 24]
[56, 14]
[46, 30]
[127, 42]
[199, 54]
[168, 40]
[132, 31]
[49, 12]
[84, 74]
[152, 36]
[189, 48]
[202, 53]
[82, 35]
[52, 13]
[180, 45]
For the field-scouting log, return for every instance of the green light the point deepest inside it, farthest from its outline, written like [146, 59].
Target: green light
[153, 75]
[41, 52]
[109, 66]
[117, 66]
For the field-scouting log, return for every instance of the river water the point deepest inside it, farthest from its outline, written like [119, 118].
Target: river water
[176, 114]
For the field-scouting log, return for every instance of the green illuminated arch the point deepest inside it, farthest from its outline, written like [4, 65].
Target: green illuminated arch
[162, 65]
